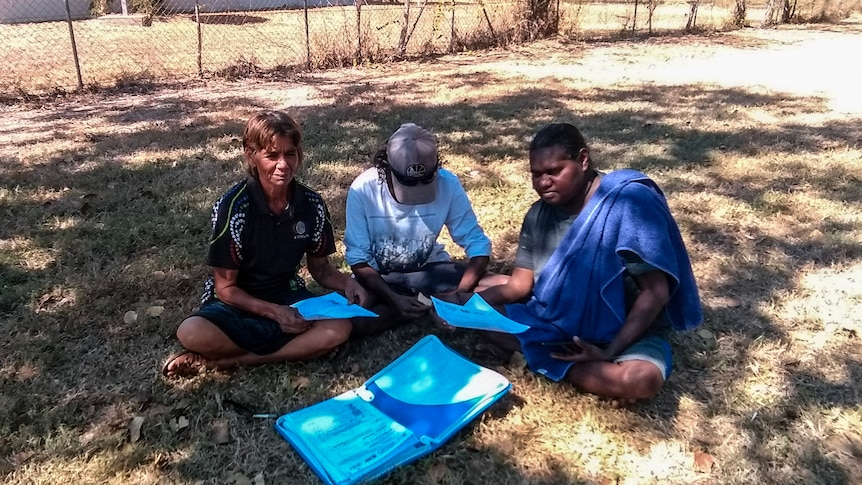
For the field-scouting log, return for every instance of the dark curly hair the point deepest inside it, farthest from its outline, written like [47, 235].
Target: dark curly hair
[563, 135]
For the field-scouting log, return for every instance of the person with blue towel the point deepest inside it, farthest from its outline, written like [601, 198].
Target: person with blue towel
[601, 275]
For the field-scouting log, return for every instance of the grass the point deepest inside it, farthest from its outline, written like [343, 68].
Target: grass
[105, 201]
[119, 51]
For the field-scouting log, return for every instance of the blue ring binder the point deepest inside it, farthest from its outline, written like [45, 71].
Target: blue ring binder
[405, 411]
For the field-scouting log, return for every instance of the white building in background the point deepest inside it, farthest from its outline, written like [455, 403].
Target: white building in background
[24, 11]
[188, 6]
[18, 11]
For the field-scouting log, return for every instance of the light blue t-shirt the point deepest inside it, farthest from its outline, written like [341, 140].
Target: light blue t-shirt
[390, 236]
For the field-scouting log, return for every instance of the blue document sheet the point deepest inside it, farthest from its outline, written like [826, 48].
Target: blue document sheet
[476, 314]
[405, 411]
[330, 305]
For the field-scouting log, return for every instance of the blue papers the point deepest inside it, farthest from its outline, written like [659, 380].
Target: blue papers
[331, 305]
[405, 411]
[476, 314]
[344, 437]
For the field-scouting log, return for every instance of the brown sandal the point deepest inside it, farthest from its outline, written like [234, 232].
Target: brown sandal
[184, 364]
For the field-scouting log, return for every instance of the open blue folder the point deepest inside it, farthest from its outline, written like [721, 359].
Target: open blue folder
[405, 411]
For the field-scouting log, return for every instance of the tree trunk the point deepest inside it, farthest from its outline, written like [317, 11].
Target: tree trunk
[739, 12]
[769, 14]
[452, 39]
[788, 12]
[691, 23]
[651, 6]
[357, 57]
[402, 38]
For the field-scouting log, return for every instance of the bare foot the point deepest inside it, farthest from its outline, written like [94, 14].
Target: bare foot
[184, 364]
[339, 353]
[618, 403]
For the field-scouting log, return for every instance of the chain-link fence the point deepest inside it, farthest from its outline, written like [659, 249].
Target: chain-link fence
[68, 44]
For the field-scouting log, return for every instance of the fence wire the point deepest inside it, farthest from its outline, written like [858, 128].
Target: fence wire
[68, 44]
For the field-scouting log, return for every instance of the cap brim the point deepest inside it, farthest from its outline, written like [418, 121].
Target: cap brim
[415, 194]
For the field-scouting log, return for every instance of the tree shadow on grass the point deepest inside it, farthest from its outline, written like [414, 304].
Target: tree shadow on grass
[154, 219]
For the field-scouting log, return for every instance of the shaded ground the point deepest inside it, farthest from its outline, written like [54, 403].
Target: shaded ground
[755, 136]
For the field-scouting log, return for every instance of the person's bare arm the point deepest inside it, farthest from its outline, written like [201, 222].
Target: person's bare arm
[654, 295]
[407, 306]
[476, 268]
[227, 291]
[322, 270]
[517, 287]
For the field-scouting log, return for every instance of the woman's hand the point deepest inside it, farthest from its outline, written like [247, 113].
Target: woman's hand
[290, 320]
[440, 323]
[355, 293]
[581, 351]
[409, 306]
[455, 296]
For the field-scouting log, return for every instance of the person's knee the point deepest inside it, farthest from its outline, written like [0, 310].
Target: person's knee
[334, 332]
[192, 334]
[643, 379]
[492, 279]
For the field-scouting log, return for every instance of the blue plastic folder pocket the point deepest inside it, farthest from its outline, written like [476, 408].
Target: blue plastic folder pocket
[405, 411]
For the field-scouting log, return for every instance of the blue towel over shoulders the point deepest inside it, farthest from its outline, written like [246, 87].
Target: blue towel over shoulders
[580, 291]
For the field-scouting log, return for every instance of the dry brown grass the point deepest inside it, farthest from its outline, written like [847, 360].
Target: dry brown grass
[119, 51]
[105, 202]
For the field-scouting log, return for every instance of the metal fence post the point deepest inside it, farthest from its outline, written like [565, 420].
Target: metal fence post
[307, 37]
[200, 39]
[452, 39]
[74, 47]
[357, 58]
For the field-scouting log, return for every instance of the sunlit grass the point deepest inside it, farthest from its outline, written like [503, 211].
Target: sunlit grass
[106, 200]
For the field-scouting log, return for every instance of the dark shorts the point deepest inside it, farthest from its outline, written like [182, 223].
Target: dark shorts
[253, 333]
[431, 278]
[652, 349]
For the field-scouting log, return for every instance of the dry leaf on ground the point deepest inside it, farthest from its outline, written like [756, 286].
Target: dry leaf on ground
[300, 383]
[26, 372]
[220, 432]
[180, 423]
[130, 317]
[517, 363]
[135, 428]
[157, 409]
[155, 311]
[703, 462]
[258, 479]
[20, 458]
[237, 478]
[438, 472]
[845, 443]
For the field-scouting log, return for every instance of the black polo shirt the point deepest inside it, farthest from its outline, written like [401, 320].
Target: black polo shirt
[265, 248]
